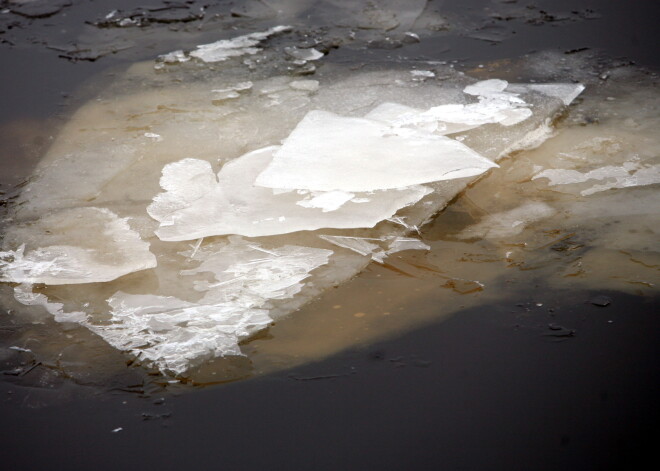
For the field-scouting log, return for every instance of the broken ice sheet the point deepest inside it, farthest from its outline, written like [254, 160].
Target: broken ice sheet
[300, 54]
[376, 247]
[508, 223]
[175, 334]
[327, 152]
[80, 245]
[195, 204]
[223, 49]
[495, 105]
[96, 158]
[629, 174]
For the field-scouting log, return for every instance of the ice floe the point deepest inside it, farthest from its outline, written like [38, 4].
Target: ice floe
[224, 49]
[627, 175]
[175, 334]
[196, 204]
[327, 152]
[508, 223]
[81, 245]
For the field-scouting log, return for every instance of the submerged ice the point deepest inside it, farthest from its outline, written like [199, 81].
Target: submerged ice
[175, 334]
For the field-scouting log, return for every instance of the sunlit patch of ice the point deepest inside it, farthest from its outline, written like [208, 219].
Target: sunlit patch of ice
[508, 223]
[225, 48]
[81, 245]
[495, 105]
[627, 175]
[378, 248]
[566, 92]
[310, 54]
[326, 201]
[306, 85]
[24, 295]
[174, 334]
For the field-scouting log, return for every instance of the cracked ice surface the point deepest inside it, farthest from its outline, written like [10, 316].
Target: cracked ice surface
[191, 154]
[175, 334]
[81, 245]
[225, 48]
[328, 152]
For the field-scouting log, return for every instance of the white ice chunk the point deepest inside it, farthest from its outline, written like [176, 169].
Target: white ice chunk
[613, 177]
[82, 245]
[231, 92]
[309, 54]
[453, 118]
[174, 57]
[486, 87]
[327, 201]
[196, 204]
[175, 334]
[422, 73]
[238, 46]
[327, 152]
[399, 244]
[372, 247]
[566, 92]
[508, 223]
[306, 85]
[367, 246]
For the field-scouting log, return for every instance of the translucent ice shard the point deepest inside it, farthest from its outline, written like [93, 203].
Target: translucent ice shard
[310, 54]
[327, 152]
[508, 223]
[498, 102]
[566, 92]
[196, 204]
[82, 245]
[174, 334]
[117, 150]
[225, 48]
[627, 175]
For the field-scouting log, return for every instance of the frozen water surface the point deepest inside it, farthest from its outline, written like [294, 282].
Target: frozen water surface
[222, 187]
[79, 245]
[369, 156]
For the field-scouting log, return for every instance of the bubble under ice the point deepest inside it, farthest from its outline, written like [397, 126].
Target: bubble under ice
[186, 317]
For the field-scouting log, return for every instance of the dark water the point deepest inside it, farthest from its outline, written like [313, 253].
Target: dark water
[566, 384]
